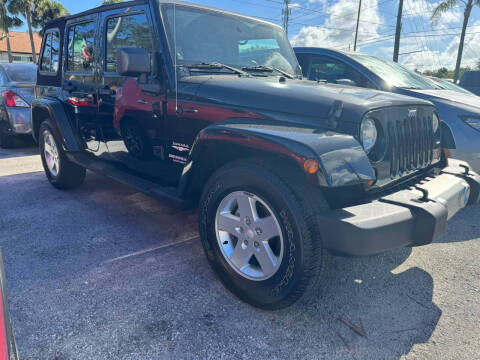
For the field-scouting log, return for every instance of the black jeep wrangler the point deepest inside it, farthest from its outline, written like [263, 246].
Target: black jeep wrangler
[207, 108]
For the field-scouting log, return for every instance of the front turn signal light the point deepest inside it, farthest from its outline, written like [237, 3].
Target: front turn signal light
[310, 166]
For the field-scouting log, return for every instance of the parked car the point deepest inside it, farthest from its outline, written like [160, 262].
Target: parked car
[470, 80]
[460, 113]
[17, 82]
[448, 84]
[205, 108]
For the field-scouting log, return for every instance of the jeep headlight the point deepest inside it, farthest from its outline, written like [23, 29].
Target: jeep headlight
[435, 123]
[473, 122]
[368, 134]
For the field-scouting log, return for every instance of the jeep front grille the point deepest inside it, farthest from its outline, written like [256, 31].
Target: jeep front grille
[411, 144]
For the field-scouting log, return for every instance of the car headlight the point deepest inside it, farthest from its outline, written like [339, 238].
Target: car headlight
[368, 134]
[475, 123]
[435, 123]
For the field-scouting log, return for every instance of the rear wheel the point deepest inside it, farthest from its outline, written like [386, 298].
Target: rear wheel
[261, 236]
[6, 140]
[61, 172]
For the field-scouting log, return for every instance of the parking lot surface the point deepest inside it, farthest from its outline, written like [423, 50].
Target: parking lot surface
[103, 272]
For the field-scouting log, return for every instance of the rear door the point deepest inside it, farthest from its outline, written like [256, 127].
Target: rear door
[81, 49]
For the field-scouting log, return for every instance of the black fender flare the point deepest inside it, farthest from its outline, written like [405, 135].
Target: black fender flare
[54, 110]
[342, 160]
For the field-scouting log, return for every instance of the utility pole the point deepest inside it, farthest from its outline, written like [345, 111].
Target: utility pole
[396, 47]
[358, 22]
[286, 15]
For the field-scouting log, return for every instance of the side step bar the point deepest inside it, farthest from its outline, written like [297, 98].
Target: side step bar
[164, 193]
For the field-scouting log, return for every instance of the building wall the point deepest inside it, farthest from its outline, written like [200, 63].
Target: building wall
[17, 57]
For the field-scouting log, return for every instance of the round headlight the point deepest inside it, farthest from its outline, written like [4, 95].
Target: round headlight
[368, 134]
[435, 122]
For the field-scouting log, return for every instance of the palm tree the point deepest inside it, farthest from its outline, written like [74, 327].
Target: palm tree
[6, 22]
[25, 8]
[45, 11]
[443, 8]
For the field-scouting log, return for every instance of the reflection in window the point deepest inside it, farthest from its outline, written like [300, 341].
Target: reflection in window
[126, 31]
[47, 53]
[80, 47]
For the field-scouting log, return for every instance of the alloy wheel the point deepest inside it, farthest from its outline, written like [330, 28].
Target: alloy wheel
[249, 235]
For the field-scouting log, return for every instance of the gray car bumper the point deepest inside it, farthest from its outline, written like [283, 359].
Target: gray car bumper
[402, 218]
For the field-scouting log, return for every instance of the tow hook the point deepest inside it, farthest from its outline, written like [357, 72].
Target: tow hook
[424, 192]
[467, 169]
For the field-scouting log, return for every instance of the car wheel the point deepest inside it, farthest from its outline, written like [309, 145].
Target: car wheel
[6, 140]
[61, 172]
[261, 236]
[136, 141]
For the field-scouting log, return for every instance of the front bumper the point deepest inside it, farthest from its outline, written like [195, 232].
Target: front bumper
[408, 217]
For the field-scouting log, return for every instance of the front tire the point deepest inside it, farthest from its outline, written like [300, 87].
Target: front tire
[260, 234]
[61, 172]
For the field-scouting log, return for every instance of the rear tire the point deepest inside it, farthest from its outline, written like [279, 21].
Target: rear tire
[297, 253]
[6, 140]
[61, 172]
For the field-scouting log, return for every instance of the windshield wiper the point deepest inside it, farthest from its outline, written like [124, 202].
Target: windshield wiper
[215, 66]
[261, 68]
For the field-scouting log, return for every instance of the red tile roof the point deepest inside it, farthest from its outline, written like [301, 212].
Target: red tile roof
[20, 42]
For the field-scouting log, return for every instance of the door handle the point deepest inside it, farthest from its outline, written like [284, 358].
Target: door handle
[142, 102]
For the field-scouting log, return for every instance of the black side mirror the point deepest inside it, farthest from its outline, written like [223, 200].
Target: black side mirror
[133, 61]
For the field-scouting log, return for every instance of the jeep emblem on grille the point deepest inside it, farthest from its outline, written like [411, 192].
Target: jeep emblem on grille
[412, 113]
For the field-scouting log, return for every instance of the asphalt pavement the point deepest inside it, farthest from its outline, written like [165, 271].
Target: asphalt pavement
[104, 272]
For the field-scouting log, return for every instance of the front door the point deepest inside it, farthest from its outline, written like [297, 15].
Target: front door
[133, 120]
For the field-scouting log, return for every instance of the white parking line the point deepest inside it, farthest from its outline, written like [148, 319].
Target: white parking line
[20, 165]
[136, 253]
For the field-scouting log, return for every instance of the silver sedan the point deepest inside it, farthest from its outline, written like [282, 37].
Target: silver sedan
[17, 82]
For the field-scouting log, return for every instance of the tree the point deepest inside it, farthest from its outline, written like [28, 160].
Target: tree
[444, 7]
[6, 22]
[478, 65]
[25, 8]
[46, 11]
[108, 2]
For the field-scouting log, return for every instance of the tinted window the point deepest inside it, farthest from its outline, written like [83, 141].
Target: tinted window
[80, 47]
[323, 68]
[126, 31]
[304, 60]
[49, 60]
[21, 72]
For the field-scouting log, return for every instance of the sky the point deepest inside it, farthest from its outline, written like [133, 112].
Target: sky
[331, 23]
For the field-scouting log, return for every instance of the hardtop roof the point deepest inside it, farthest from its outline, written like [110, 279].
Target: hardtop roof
[139, 2]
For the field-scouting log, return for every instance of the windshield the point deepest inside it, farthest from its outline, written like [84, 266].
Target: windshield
[21, 73]
[394, 74]
[208, 36]
[447, 85]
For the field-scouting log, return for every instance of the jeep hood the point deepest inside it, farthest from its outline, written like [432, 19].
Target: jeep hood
[303, 98]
